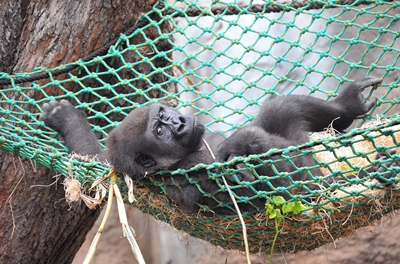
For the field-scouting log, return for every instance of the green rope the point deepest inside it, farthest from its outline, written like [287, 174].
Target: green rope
[225, 60]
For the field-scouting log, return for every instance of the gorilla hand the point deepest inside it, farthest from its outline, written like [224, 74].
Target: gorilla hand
[61, 116]
[247, 141]
[387, 168]
[73, 127]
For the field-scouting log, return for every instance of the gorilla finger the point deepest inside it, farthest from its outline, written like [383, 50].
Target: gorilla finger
[392, 151]
[231, 157]
[381, 155]
[380, 169]
[389, 175]
[42, 116]
[53, 103]
[222, 155]
[387, 168]
[246, 176]
[371, 103]
[66, 103]
[45, 105]
[367, 82]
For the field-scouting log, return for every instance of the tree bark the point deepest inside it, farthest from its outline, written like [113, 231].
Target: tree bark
[37, 225]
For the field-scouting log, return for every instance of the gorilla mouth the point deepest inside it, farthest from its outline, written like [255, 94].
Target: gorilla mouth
[193, 132]
[197, 134]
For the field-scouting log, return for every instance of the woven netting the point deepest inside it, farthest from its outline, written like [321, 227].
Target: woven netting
[226, 59]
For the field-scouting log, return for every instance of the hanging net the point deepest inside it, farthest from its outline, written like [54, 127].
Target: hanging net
[220, 61]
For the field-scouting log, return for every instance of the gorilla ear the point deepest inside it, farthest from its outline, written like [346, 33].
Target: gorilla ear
[145, 160]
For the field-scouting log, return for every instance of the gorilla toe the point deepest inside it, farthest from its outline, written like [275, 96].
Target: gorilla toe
[365, 82]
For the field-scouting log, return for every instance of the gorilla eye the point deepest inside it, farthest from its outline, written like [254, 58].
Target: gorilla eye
[161, 114]
[146, 161]
[159, 130]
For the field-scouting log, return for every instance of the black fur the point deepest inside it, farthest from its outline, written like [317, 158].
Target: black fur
[156, 137]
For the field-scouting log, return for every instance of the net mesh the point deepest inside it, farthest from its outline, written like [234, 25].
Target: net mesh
[224, 60]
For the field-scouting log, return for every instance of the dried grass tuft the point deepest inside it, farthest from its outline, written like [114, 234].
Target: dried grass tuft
[73, 190]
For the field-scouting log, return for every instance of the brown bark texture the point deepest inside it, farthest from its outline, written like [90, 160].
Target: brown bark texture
[36, 224]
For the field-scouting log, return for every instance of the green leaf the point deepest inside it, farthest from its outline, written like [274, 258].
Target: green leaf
[288, 207]
[298, 207]
[278, 200]
[272, 214]
[268, 208]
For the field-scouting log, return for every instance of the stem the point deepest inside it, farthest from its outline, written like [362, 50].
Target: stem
[277, 231]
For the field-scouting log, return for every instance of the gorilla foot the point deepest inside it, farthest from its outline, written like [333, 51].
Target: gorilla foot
[352, 99]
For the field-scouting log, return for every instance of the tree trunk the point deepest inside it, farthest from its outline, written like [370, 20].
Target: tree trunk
[37, 225]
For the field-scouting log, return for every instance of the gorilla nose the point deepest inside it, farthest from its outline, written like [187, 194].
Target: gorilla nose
[179, 125]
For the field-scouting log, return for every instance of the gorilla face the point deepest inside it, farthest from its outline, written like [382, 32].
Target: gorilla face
[153, 138]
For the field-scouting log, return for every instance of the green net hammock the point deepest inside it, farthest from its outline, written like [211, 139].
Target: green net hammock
[220, 62]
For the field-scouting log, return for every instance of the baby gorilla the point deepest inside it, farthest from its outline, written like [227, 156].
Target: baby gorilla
[155, 137]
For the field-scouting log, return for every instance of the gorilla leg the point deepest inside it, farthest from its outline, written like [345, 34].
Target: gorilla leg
[292, 116]
[73, 127]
